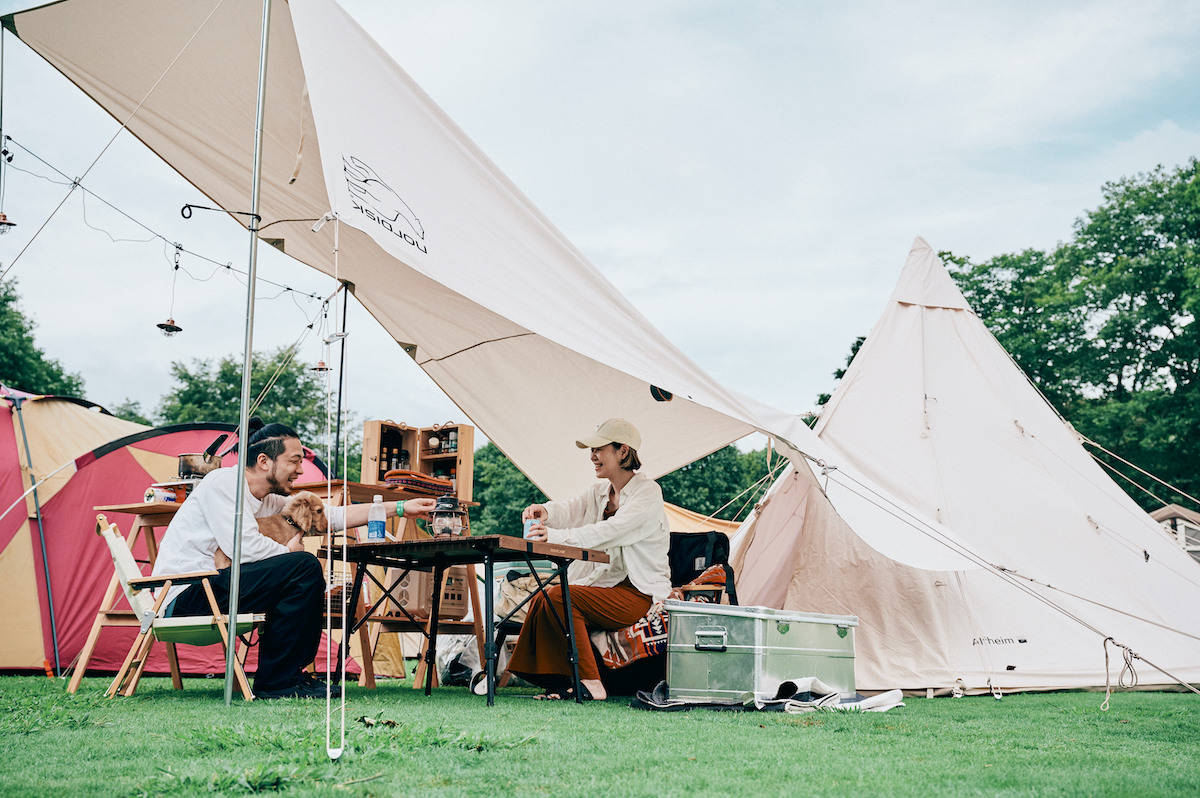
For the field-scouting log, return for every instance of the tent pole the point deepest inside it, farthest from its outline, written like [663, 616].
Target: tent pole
[235, 569]
[37, 506]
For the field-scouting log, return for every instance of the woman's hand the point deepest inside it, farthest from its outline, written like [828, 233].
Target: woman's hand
[676, 594]
[537, 532]
[535, 511]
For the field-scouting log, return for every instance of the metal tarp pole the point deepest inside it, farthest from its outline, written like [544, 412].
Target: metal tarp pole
[235, 569]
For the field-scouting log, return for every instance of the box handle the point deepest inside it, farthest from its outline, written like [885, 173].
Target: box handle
[711, 638]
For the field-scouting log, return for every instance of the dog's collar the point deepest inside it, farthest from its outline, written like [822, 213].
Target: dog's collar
[291, 522]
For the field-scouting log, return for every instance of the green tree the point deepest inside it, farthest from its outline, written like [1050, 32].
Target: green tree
[839, 373]
[212, 393]
[1033, 303]
[22, 364]
[1105, 324]
[757, 464]
[709, 485]
[502, 492]
[131, 411]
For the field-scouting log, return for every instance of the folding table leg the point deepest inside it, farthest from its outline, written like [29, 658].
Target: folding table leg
[489, 645]
[434, 611]
[572, 643]
[366, 642]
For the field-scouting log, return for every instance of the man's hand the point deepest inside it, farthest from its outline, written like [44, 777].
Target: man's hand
[419, 508]
[536, 512]
[296, 543]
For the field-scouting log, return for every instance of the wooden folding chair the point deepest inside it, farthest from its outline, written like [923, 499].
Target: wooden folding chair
[195, 630]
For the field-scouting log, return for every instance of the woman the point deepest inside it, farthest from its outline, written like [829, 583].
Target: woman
[623, 515]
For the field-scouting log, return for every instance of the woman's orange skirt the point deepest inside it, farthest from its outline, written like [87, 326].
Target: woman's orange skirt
[541, 654]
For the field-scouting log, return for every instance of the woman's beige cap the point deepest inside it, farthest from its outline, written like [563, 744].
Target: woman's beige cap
[615, 430]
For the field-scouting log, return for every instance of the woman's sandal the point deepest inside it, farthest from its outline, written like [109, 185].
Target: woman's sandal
[565, 695]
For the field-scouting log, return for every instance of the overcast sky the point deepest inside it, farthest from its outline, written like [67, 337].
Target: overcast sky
[750, 175]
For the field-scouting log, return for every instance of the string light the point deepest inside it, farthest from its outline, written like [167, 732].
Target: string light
[169, 328]
[228, 267]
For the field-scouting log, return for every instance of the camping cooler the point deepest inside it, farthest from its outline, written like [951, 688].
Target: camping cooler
[716, 653]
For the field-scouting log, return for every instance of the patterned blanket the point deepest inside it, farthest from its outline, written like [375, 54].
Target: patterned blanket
[647, 637]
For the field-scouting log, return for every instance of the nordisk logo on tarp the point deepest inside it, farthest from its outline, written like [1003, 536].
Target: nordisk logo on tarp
[995, 641]
[379, 203]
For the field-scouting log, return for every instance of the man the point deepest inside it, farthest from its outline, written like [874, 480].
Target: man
[282, 581]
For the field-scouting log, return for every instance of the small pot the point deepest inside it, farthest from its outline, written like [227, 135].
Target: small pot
[197, 465]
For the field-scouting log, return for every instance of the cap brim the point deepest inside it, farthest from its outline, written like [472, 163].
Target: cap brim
[592, 442]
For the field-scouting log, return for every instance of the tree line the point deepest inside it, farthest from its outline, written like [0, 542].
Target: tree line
[1103, 324]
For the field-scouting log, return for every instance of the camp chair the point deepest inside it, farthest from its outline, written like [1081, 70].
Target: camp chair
[195, 630]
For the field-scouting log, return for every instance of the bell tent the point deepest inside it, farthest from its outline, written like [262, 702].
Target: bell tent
[932, 410]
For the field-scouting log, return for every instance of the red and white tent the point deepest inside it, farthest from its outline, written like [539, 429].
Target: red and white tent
[108, 461]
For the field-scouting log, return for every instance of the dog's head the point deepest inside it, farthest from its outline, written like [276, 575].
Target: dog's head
[307, 512]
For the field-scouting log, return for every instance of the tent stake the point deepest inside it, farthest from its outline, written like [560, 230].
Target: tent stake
[235, 568]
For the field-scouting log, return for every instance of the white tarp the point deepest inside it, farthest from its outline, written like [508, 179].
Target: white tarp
[442, 248]
[933, 410]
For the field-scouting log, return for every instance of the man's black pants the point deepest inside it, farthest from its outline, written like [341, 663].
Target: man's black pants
[290, 590]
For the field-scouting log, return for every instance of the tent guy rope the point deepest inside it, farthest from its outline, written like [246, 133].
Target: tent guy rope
[332, 751]
[995, 570]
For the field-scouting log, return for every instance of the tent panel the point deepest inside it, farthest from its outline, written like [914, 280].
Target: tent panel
[21, 623]
[59, 431]
[158, 467]
[13, 480]
[687, 521]
[935, 410]
[80, 564]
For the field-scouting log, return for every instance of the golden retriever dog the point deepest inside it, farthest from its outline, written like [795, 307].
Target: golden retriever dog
[304, 514]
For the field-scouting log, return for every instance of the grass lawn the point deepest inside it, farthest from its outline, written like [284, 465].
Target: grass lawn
[163, 742]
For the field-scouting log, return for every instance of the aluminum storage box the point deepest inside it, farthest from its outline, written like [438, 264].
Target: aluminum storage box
[716, 652]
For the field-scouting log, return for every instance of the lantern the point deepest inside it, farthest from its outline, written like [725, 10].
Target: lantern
[447, 517]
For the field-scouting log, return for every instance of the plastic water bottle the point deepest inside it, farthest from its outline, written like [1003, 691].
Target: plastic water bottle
[376, 520]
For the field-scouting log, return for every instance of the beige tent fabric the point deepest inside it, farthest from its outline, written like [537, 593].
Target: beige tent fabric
[21, 623]
[683, 520]
[163, 467]
[59, 431]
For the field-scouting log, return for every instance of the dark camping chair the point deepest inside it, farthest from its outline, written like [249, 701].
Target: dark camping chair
[692, 553]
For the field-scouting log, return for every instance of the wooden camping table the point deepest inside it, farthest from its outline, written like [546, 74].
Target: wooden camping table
[147, 516]
[439, 554]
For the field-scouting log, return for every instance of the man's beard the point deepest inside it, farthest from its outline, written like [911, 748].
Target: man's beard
[275, 485]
